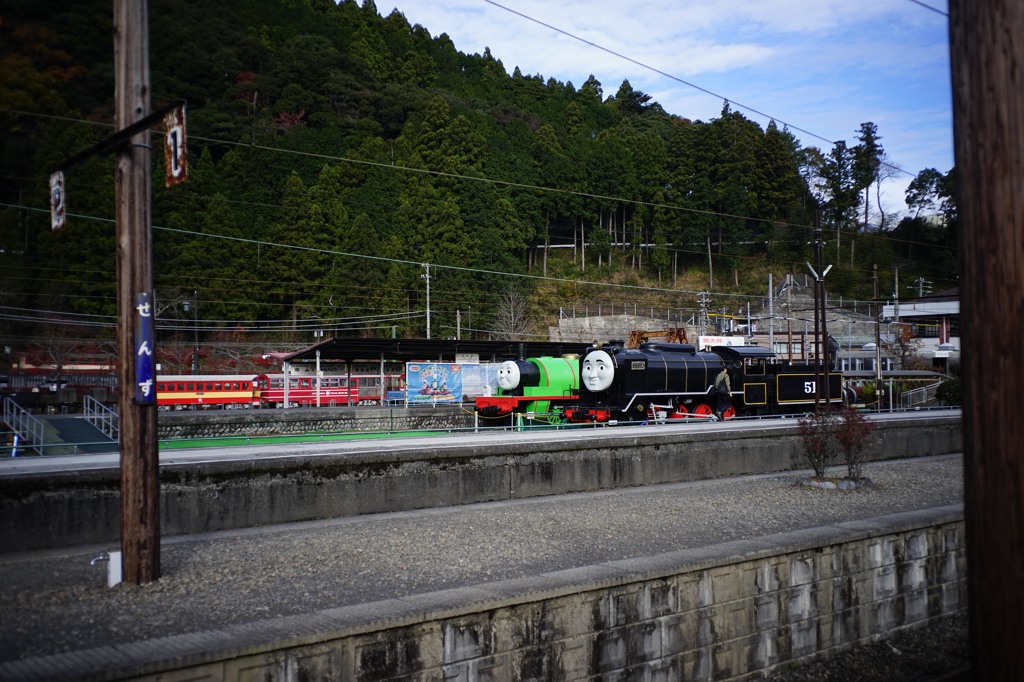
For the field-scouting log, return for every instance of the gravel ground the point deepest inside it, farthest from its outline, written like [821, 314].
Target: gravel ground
[56, 601]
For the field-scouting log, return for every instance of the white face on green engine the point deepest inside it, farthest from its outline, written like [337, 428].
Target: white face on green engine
[597, 371]
[508, 375]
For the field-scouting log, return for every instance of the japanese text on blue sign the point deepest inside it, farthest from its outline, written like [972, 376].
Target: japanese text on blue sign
[145, 386]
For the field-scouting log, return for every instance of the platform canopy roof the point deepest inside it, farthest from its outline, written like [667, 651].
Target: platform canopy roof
[425, 350]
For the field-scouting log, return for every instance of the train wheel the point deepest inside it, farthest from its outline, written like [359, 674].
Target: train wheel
[730, 413]
[703, 410]
[680, 413]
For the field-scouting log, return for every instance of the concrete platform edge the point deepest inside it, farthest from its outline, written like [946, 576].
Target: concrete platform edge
[179, 652]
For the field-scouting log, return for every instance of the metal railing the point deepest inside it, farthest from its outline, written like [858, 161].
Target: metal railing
[919, 396]
[28, 431]
[105, 419]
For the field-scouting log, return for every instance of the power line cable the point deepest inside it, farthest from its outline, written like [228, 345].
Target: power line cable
[457, 176]
[506, 183]
[411, 263]
[415, 263]
[676, 78]
[934, 9]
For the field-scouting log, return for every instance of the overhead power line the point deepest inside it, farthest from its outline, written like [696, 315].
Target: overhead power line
[412, 263]
[457, 176]
[454, 176]
[677, 79]
[934, 9]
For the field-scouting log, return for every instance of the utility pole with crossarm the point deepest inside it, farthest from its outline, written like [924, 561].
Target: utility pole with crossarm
[140, 481]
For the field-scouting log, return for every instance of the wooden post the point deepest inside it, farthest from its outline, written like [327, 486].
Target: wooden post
[140, 482]
[987, 60]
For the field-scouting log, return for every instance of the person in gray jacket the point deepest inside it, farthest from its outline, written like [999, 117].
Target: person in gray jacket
[723, 388]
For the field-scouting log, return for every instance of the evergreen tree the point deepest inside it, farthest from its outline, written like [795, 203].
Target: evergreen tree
[630, 102]
[293, 264]
[839, 192]
[324, 137]
[781, 190]
[867, 158]
[923, 191]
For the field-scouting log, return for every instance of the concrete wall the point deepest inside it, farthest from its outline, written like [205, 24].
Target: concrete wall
[83, 506]
[730, 612]
[608, 327]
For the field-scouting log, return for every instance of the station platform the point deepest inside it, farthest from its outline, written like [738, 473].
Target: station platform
[558, 587]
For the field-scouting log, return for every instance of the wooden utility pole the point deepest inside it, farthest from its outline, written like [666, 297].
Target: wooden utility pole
[140, 482]
[987, 60]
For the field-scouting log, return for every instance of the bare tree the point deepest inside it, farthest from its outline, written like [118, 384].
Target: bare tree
[235, 353]
[903, 346]
[512, 319]
[59, 342]
[815, 431]
[174, 358]
[887, 169]
[852, 433]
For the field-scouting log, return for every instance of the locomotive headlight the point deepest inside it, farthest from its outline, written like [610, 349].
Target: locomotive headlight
[597, 371]
[508, 375]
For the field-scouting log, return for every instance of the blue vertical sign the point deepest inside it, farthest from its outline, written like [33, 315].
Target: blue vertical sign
[145, 386]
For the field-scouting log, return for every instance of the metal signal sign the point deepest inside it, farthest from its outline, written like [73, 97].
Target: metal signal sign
[57, 214]
[175, 151]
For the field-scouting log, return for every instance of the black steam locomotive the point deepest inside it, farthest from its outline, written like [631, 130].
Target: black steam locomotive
[660, 381]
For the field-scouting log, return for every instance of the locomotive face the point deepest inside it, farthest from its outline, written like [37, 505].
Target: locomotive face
[597, 371]
[508, 375]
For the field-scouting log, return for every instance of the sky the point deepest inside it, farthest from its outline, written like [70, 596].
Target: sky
[821, 67]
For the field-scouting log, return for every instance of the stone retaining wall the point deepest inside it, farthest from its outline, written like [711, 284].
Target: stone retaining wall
[220, 423]
[735, 611]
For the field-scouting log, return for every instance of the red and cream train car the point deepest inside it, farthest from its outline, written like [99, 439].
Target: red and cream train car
[334, 389]
[181, 391]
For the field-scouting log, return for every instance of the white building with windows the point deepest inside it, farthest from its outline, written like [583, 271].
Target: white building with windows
[933, 321]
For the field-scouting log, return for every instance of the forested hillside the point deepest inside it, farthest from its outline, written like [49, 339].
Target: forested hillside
[335, 154]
